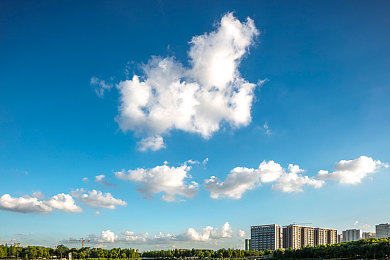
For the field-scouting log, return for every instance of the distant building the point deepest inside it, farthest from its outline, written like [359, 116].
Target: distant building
[321, 236]
[382, 230]
[292, 236]
[295, 236]
[332, 236]
[307, 236]
[265, 237]
[351, 235]
[340, 238]
[248, 244]
[368, 235]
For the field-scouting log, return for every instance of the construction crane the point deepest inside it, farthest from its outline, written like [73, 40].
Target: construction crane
[14, 243]
[294, 223]
[82, 240]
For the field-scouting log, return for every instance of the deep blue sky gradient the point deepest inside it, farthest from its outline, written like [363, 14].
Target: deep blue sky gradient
[326, 99]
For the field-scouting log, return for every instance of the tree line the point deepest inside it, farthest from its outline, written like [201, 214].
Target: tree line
[370, 248]
[204, 253]
[61, 251]
[366, 248]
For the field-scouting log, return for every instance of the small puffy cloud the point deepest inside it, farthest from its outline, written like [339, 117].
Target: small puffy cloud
[85, 179]
[98, 199]
[241, 233]
[352, 171]
[242, 179]
[26, 204]
[100, 86]
[195, 99]
[206, 233]
[102, 180]
[96, 213]
[108, 236]
[63, 202]
[153, 143]
[171, 181]
[293, 181]
[356, 223]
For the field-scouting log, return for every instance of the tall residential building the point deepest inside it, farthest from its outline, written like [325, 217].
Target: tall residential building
[307, 236]
[292, 237]
[332, 236]
[320, 236]
[382, 230]
[247, 244]
[265, 237]
[351, 235]
[368, 235]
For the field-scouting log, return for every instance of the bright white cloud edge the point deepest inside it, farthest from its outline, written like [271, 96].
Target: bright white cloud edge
[197, 99]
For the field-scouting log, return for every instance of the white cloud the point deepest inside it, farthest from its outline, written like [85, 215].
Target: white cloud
[102, 180]
[242, 179]
[26, 204]
[96, 198]
[96, 213]
[153, 143]
[85, 179]
[108, 237]
[171, 181]
[63, 202]
[197, 99]
[352, 171]
[101, 86]
[207, 233]
[293, 181]
[241, 233]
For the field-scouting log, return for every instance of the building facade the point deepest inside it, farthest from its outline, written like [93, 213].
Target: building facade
[382, 230]
[320, 236]
[351, 235]
[292, 237]
[340, 238]
[307, 236]
[248, 244]
[265, 237]
[368, 235]
[332, 236]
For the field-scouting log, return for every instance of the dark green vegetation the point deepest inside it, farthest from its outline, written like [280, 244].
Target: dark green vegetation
[39, 252]
[363, 249]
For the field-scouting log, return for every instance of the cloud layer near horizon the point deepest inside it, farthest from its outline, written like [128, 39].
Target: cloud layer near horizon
[205, 234]
[194, 99]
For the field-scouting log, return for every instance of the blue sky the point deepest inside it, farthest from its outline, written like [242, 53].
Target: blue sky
[314, 86]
